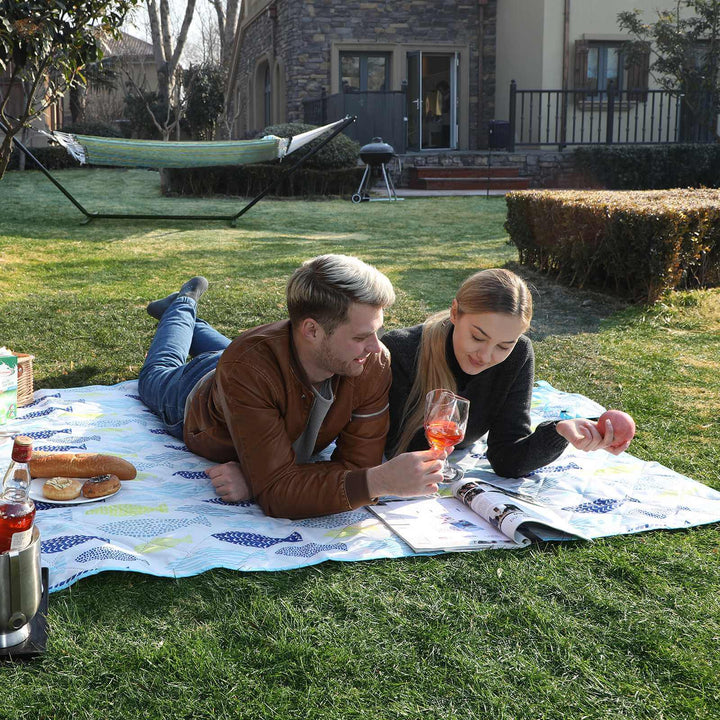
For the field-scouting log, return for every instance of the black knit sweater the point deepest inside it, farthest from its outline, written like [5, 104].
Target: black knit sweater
[499, 403]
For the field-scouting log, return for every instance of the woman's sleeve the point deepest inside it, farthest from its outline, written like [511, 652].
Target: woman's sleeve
[513, 449]
[402, 365]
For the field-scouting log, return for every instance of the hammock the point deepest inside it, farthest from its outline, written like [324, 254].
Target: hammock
[90, 150]
[153, 154]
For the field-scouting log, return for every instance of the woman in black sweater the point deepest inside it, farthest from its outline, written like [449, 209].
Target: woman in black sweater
[477, 349]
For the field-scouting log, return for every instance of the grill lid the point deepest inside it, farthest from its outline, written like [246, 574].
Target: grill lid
[376, 152]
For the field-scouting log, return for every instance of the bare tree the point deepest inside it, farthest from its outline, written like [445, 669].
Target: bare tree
[167, 61]
[228, 19]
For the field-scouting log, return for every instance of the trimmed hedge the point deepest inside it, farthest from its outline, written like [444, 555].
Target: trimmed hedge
[649, 167]
[249, 180]
[340, 152]
[52, 157]
[637, 244]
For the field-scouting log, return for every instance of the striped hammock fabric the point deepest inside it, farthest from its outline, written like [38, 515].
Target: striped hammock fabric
[90, 150]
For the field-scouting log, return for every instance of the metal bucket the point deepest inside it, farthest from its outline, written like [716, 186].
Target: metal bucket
[20, 591]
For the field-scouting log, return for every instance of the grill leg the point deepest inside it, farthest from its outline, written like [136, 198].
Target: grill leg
[390, 187]
[359, 196]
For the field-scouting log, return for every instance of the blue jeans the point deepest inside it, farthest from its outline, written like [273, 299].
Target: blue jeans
[167, 377]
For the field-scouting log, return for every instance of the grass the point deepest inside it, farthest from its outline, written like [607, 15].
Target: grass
[625, 627]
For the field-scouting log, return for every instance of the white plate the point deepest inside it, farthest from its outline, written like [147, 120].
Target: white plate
[36, 493]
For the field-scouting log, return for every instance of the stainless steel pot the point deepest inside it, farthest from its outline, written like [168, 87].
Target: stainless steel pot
[20, 591]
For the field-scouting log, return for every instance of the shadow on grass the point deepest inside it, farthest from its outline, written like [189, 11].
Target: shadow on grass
[557, 309]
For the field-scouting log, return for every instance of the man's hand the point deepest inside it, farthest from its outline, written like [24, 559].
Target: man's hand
[407, 475]
[584, 435]
[229, 482]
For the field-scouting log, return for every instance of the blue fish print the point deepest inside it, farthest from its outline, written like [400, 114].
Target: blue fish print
[178, 447]
[151, 527]
[45, 434]
[104, 553]
[159, 431]
[600, 505]
[191, 474]
[252, 540]
[333, 521]
[58, 544]
[40, 400]
[310, 549]
[220, 501]
[61, 448]
[44, 413]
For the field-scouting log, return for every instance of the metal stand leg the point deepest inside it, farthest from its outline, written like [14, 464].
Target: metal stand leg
[359, 196]
[392, 195]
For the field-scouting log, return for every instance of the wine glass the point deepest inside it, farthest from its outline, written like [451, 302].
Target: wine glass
[446, 416]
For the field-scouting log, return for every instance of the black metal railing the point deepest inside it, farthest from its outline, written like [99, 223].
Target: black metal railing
[379, 114]
[611, 116]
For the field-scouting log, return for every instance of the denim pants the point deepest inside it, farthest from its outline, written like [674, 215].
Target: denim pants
[167, 377]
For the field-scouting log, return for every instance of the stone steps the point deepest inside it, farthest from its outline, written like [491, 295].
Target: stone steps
[467, 178]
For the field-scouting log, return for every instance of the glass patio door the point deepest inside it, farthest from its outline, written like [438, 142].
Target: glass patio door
[432, 100]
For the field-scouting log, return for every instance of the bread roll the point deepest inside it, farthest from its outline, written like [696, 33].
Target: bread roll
[100, 486]
[80, 465]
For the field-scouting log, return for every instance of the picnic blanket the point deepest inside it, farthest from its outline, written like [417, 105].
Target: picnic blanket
[169, 522]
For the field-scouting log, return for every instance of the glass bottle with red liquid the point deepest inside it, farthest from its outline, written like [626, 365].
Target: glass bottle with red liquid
[17, 510]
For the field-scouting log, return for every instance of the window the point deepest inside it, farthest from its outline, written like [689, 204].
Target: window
[597, 64]
[363, 71]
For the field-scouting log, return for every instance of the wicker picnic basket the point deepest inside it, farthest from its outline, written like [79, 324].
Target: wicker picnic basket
[25, 379]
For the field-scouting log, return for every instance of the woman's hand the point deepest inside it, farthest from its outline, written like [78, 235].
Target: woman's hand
[584, 435]
[229, 482]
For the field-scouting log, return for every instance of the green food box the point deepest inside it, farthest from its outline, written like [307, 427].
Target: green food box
[8, 387]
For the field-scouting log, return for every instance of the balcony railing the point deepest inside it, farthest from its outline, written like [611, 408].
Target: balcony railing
[611, 116]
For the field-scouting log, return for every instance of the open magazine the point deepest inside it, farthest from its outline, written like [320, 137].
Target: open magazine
[476, 515]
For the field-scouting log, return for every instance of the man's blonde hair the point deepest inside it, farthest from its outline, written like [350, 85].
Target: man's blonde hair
[324, 288]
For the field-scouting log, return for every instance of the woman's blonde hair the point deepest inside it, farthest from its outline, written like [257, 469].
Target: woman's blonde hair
[488, 291]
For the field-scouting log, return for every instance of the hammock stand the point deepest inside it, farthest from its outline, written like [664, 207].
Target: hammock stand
[286, 145]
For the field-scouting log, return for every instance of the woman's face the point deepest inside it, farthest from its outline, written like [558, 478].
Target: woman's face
[481, 340]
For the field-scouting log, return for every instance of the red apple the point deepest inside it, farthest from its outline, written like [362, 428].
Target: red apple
[622, 424]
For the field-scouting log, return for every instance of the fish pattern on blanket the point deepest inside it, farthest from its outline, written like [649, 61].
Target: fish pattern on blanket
[169, 522]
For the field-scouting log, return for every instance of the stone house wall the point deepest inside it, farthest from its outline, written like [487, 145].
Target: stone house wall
[296, 37]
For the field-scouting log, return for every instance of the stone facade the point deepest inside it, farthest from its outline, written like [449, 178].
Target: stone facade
[296, 39]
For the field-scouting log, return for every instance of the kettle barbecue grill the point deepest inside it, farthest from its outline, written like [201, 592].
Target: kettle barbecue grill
[376, 154]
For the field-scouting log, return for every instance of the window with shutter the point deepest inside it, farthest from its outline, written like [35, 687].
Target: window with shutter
[598, 64]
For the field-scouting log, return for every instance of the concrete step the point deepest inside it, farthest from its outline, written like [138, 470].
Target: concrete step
[462, 172]
[470, 183]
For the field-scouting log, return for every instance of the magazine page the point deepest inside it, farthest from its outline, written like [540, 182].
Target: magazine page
[516, 515]
[434, 523]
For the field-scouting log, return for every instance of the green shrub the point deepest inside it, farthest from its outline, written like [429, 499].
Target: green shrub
[94, 128]
[636, 244]
[52, 157]
[250, 180]
[340, 152]
[649, 167]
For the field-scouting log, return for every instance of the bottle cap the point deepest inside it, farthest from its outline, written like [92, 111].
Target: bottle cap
[22, 449]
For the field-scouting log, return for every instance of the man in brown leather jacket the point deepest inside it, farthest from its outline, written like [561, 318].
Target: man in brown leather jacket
[263, 405]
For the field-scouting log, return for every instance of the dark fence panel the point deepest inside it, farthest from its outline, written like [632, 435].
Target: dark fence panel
[575, 117]
[379, 114]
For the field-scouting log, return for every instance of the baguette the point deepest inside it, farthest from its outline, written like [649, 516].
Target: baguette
[79, 465]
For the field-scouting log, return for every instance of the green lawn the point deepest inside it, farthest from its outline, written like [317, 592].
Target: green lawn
[626, 627]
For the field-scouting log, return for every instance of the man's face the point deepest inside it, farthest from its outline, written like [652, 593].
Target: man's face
[345, 350]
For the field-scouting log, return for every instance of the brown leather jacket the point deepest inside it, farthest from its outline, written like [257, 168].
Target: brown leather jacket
[258, 402]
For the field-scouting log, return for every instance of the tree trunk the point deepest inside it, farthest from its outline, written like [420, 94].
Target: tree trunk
[78, 103]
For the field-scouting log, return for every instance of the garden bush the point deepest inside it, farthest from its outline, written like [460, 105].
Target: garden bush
[340, 152]
[250, 180]
[649, 167]
[637, 244]
[52, 157]
[333, 170]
